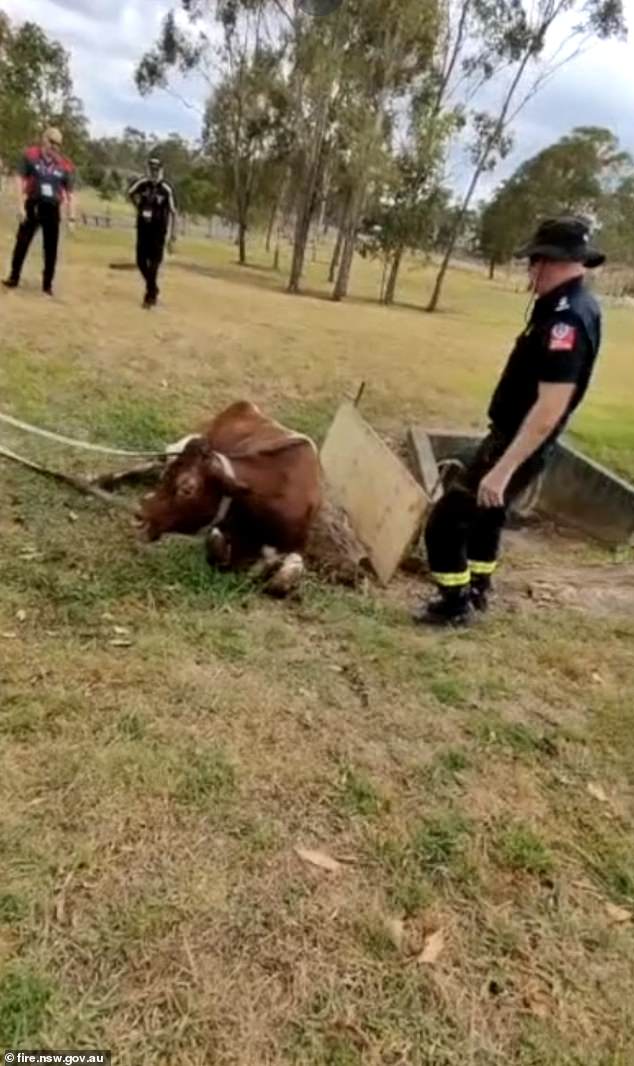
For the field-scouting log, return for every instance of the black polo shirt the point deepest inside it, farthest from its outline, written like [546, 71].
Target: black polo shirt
[559, 345]
[154, 201]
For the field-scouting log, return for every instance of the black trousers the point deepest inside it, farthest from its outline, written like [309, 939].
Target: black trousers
[150, 246]
[462, 539]
[44, 214]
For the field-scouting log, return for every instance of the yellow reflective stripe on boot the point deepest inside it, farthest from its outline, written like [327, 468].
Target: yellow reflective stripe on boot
[452, 581]
[483, 569]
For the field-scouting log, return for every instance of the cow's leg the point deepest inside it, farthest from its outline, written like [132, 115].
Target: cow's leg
[287, 576]
[269, 560]
[217, 549]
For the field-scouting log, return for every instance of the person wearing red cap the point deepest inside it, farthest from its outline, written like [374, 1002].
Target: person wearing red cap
[545, 379]
[44, 182]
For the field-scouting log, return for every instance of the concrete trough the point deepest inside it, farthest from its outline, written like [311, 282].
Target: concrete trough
[573, 490]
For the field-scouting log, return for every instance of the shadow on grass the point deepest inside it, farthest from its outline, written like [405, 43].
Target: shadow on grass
[264, 277]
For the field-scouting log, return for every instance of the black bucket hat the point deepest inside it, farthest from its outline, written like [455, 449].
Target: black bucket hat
[565, 240]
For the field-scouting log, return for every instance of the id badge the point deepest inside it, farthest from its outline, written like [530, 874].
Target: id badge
[147, 215]
[46, 190]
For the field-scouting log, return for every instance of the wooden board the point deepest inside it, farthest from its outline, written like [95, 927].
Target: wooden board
[424, 463]
[383, 501]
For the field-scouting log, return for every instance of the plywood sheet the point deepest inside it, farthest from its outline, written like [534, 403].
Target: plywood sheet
[383, 501]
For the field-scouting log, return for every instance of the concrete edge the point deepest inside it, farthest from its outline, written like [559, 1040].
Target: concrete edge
[575, 489]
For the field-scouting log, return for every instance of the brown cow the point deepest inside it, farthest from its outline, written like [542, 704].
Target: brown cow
[254, 484]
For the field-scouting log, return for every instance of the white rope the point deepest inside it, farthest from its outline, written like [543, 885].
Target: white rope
[28, 428]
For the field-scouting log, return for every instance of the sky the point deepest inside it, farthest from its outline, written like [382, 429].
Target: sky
[106, 39]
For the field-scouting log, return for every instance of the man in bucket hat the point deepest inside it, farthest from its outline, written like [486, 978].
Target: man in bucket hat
[543, 382]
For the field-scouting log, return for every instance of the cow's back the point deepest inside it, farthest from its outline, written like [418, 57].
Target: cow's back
[281, 469]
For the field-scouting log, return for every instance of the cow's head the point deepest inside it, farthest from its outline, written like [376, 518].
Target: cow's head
[190, 493]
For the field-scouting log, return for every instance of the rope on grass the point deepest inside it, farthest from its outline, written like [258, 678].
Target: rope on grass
[72, 443]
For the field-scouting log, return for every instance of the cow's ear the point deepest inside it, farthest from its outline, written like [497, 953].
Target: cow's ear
[226, 479]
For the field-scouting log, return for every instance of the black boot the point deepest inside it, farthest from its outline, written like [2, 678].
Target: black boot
[452, 607]
[481, 590]
[10, 283]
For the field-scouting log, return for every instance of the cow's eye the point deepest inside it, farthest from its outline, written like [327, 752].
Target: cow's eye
[187, 486]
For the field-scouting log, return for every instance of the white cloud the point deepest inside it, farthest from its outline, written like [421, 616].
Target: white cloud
[108, 37]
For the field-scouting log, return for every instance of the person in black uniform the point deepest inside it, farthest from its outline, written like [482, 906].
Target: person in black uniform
[153, 198]
[545, 379]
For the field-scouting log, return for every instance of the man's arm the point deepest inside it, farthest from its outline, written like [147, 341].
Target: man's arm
[173, 215]
[20, 195]
[69, 198]
[21, 179]
[134, 190]
[552, 403]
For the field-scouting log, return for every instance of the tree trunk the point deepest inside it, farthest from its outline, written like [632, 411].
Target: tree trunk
[271, 226]
[312, 173]
[492, 266]
[355, 206]
[480, 165]
[334, 262]
[349, 241]
[242, 242]
[322, 226]
[390, 289]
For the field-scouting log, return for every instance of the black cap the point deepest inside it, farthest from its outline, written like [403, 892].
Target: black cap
[564, 240]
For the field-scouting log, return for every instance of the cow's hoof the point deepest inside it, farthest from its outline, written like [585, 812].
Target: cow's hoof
[287, 578]
[217, 549]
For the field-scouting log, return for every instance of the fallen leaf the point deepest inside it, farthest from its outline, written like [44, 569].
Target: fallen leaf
[9, 636]
[120, 643]
[72, 516]
[318, 858]
[597, 793]
[395, 929]
[21, 615]
[596, 677]
[433, 949]
[121, 631]
[618, 914]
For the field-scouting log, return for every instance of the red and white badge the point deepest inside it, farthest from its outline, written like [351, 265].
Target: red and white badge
[562, 337]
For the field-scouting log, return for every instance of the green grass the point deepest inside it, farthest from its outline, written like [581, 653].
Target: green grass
[206, 779]
[24, 998]
[169, 737]
[358, 795]
[521, 849]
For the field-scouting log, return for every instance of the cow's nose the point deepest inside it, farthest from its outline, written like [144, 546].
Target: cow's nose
[143, 531]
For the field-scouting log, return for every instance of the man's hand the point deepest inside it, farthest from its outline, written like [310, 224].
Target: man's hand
[492, 488]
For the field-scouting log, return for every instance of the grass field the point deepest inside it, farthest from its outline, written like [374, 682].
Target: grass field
[168, 739]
